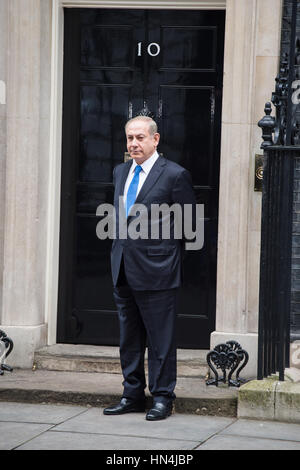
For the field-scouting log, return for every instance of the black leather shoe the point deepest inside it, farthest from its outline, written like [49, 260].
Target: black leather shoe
[159, 411]
[126, 405]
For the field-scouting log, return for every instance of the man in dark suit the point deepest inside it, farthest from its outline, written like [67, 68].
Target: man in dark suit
[146, 271]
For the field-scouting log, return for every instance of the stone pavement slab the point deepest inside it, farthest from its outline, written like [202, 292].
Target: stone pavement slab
[80, 441]
[20, 423]
[13, 434]
[27, 426]
[72, 428]
[36, 413]
[245, 434]
[265, 429]
[229, 442]
[177, 426]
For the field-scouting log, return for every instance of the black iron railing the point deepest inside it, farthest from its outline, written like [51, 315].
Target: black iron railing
[281, 139]
[275, 267]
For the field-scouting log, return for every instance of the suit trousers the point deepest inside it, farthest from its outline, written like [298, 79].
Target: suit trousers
[147, 318]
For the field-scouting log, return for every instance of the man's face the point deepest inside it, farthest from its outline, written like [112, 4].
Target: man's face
[140, 143]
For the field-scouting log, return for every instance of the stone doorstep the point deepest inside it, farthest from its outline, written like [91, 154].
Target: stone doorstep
[65, 373]
[193, 396]
[86, 358]
[270, 399]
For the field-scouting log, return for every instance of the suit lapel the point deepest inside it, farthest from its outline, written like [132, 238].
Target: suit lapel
[124, 175]
[151, 179]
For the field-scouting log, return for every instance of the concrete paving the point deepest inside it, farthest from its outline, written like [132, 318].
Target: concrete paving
[27, 426]
[59, 405]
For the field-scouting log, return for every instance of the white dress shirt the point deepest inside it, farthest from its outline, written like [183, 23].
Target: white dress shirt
[146, 167]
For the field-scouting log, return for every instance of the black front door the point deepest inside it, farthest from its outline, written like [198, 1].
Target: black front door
[117, 62]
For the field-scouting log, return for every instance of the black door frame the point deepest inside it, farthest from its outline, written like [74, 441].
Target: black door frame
[68, 195]
[70, 130]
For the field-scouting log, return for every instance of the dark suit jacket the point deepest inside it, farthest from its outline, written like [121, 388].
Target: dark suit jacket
[152, 264]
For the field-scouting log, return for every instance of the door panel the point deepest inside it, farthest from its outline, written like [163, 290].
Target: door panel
[186, 120]
[116, 63]
[183, 47]
[112, 55]
[101, 134]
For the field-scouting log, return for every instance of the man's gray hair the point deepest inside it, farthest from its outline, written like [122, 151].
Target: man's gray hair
[152, 124]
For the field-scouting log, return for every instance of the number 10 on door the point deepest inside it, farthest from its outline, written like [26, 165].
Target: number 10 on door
[153, 49]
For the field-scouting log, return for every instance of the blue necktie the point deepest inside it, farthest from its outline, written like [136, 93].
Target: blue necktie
[132, 190]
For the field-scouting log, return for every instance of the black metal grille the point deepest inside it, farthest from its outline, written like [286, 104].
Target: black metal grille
[295, 279]
[275, 275]
[286, 98]
[279, 302]
[285, 48]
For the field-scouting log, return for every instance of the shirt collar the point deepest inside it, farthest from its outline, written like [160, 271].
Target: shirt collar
[147, 164]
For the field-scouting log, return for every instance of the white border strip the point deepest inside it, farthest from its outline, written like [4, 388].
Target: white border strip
[54, 188]
[163, 4]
